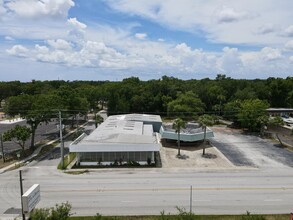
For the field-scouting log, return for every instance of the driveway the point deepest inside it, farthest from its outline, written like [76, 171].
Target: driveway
[248, 150]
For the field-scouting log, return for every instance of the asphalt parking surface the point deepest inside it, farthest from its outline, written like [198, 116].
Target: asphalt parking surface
[248, 150]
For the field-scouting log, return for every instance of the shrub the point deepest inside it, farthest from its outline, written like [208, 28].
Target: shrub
[248, 216]
[60, 212]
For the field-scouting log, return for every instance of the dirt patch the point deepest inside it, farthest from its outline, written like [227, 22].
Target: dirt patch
[191, 156]
[226, 130]
[2, 165]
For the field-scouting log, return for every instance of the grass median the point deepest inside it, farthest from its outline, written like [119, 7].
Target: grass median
[194, 217]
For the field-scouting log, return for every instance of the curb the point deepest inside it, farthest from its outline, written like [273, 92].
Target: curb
[37, 151]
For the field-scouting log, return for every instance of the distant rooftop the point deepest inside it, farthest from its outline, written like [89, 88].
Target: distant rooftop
[191, 128]
[280, 110]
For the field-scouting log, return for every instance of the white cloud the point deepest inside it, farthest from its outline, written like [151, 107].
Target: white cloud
[60, 44]
[69, 42]
[41, 49]
[230, 62]
[8, 38]
[289, 45]
[266, 29]
[270, 54]
[227, 15]
[40, 8]
[75, 23]
[204, 17]
[141, 36]
[289, 31]
[18, 50]
[150, 57]
[291, 59]
[2, 9]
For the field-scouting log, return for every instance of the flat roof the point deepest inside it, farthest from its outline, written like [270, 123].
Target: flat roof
[121, 133]
[280, 109]
[137, 117]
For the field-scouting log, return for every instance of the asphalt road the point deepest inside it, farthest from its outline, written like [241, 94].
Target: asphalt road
[263, 188]
[44, 131]
[150, 191]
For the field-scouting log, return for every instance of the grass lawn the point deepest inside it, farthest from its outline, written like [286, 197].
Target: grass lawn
[195, 217]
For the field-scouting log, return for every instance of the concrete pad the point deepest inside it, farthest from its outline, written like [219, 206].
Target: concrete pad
[191, 157]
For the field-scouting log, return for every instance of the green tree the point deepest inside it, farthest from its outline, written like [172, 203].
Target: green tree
[231, 110]
[244, 94]
[253, 114]
[205, 120]
[178, 124]
[72, 102]
[275, 121]
[18, 134]
[98, 119]
[186, 104]
[34, 108]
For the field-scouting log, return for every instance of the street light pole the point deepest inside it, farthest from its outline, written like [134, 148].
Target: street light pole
[61, 141]
[190, 200]
[2, 148]
[21, 193]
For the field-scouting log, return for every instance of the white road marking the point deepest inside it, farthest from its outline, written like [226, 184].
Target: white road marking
[202, 200]
[273, 200]
[128, 201]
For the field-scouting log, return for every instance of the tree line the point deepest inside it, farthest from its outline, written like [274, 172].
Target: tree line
[240, 100]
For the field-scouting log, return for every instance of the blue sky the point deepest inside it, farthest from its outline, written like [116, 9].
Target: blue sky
[115, 39]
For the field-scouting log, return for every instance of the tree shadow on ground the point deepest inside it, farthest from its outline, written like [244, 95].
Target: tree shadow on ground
[186, 146]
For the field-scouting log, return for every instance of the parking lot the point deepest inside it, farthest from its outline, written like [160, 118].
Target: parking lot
[229, 149]
[249, 150]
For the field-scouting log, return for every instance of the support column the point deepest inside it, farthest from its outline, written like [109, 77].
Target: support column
[153, 156]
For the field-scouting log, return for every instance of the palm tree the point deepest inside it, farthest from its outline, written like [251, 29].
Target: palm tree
[205, 120]
[98, 120]
[177, 125]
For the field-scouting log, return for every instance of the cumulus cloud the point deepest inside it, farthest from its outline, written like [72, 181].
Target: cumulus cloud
[149, 57]
[59, 44]
[75, 23]
[227, 15]
[18, 50]
[77, 31]
[270, 54]
[40, 8]
[230, 61]
[141, 36]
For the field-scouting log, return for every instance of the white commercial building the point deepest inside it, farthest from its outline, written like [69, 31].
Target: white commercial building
[120, 139]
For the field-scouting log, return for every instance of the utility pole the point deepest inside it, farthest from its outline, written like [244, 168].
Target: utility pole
[190, 199]
[21, 193]
[61, 141]
[2, 147]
